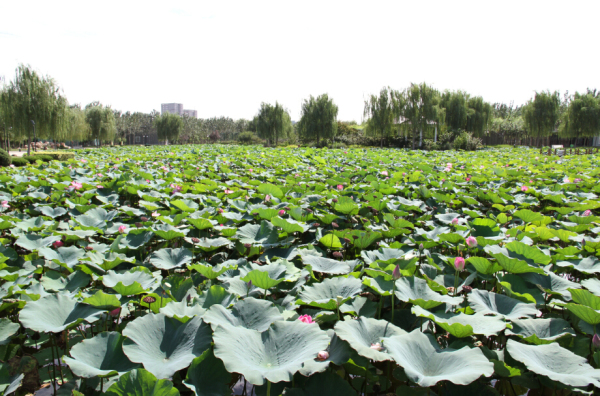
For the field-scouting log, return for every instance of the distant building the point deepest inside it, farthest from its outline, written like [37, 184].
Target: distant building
[173, 108]
[191, 113]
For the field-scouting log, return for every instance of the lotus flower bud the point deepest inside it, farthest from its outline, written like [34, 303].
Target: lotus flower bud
[467, 289]
[115, 312]
[57, 244]
[144, 218]
[334, 200]
[450, 289]
[583, 243]
[281, 212]
[306, 319]
[195, 240]
[421, 247]
[377, 346]
[247, 245]
[338, 255]
[596, 341]
[322, 356]
[587, 213]
[122, 229]
[455, 221]
[89, 248]
[396, 273]
[220, 210]
[459, 264]
[471, 242]
[249, 285]
[334, 224]
[149, 299]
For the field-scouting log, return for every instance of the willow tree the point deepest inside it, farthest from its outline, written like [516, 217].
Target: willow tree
[456, 109]
[381, 112]
[541, 114]
[421, 109]
[31, 99]
[78, 128]
[168, 126]
[272, 122]
[479, 116]
[318, 118]
[583, 116]
[101, 120]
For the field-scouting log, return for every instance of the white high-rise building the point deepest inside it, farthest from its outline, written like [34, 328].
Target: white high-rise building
[173, 108]
[191, 113]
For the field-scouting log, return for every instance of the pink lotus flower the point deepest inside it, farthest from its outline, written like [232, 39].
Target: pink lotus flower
[459, 263]
[396, 273]
[227, 191]
[122, 229]
[12, 166]
[147, 181]
[75, 185]
[84, 161]
[281, 212]
[577, 180]
[220, 210]
[5, 204]
[340, 187]
[267, 198]
[384, 173]
[297, 175]
[99, 186]
[322, 356]
[57, 244]
[455, 221]
[566, 180]
[471, 242]
[115, 312]
[447, 169]
[250, 170]
[524, 188]
[596, 341]
[585, 214]
[155, 214]
[449, 165]
[306, 319]
[176, 188]
[377, 346]
[100, 175]
[468, 179]
[403, 174]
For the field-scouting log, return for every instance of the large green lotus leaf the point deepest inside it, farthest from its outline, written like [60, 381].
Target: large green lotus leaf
[540, 331]
[9, 383]
[96, 217]
[249, 313]
[364, 332]
[202, 223]
[528, 252]
[387, 255]
[135, 239]
[182, 310]
[557, 363]
[585, 313]
[483, 265]
[140, 382]
[325, 294]
[288, 225]
[215, 295]
[55, 313]
[165, 345]
[485, 302]
[552, 283]
[34, 242]
[53, 280]
[363, 239]
[261, 279]
[461, 325]
[51, 212]
[433, 235]
[143, 278]
[7, 330]
[168, 232]
[327, 383]
[264, 234]
[167, 259]
[207, 376]
[186, 205]
[593, 285]
[360, 306]
[208, 244]
[63, 255]
[528, 216]
[425, 363]
[339, 354]
[107, 260]
[346, 205]
[103, 301]
[100, 356]
[331, 241]
[417, 291]
[587, 265]
[329, 266]
[270, 189]
[383, 286]
[214, 271]
[274, 355]
[513, 262]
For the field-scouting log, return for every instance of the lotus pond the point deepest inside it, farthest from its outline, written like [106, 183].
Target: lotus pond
[210, 269]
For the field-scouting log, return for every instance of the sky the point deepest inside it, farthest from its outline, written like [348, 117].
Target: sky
[223, 58]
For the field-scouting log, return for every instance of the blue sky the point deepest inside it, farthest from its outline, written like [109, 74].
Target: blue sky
[225, 58]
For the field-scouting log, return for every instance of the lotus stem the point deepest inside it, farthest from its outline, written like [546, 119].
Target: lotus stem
[268, 388]
[393, 294]
[456, 277]
[53, 364]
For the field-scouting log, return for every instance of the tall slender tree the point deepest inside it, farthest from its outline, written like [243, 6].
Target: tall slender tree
[32, 98]
[541, 114]
[479, 116]
[318, 118]
[271, 122]
[421, 109]
[583, 117]
[456, 108]
[101, 120]
[168, 126]
[381, 111]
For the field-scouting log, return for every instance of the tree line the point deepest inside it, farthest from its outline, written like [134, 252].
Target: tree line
[32, 106]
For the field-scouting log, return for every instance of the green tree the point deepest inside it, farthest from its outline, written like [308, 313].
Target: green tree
[168, 126]
[318, 118]
[381, 111]
[480, 113]
[583, 116]
[421, 109]
[541, 114]
[101, 120]
[34, 99]
[78, 128]
[456, 109]
[272, 122]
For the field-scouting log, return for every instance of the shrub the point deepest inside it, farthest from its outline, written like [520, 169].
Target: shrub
[214, 136]
[5, 159]
[60, 155]
[44, 157]
[246, 137]
[30, 158]
[338, 146]
[466, 141]
[18, 161]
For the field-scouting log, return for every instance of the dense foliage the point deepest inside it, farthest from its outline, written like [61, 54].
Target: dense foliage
[301, 271]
